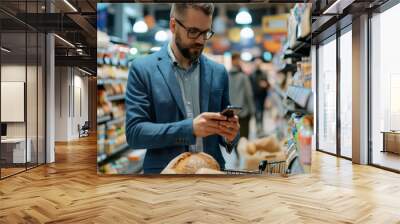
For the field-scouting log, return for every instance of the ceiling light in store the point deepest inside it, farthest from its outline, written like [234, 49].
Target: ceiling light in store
[5, 50]
[243, 17]
[155, 48]
[140, 27]
[70, 5]
[267, 56]
[246, 33]
[65, 41]
[84, 71]
[246, 56]
[161, 36]
[133, 50]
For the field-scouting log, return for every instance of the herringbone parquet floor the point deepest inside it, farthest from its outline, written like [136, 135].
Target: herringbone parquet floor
[70, 191]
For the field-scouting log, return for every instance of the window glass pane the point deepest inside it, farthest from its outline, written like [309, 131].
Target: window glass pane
[346, 94]
[31, 97]
[327, 97]
[14, 153]
[41, 99]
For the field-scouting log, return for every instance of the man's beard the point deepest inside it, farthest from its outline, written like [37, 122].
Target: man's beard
[191, 52]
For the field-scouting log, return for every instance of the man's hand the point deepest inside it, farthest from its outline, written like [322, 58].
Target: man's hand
[207, 124]
[229, 128]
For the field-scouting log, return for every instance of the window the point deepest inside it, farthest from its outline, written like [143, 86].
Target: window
[327, 96]
[385, 88]
[346, 94]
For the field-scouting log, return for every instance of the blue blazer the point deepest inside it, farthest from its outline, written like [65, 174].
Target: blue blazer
[155, 113]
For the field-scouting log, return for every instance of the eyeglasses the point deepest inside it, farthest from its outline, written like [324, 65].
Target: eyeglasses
[194, 33]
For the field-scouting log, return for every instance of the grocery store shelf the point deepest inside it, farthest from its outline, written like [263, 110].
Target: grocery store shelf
[134, 169]
[299, 95]
[103, 119]
[291, 54]
[118, 40]
[109, 81]
[302, 97]
[115, 121]
[288, 68]
[108, 61]
[302, 46]
[130, 162]
[116, 97]
[104, 159]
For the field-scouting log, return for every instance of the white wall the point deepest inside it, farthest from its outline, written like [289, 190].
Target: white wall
[70, 82]
[12, 73]
[61, 103]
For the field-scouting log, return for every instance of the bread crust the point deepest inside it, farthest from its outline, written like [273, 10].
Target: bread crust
[190, 163]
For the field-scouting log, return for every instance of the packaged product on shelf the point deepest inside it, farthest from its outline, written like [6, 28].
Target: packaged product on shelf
[292, 29]
[101, 97]
[307, 72]
[305, 20]
[101, 136]
[109, 146]
[121, 139]
[118, 110]
[297, 78]
[305, 139]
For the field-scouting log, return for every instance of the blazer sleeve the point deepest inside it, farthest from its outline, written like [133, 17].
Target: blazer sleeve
[141, 131]
[225, 103]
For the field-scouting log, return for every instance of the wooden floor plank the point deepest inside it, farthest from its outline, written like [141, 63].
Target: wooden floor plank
[70, 191]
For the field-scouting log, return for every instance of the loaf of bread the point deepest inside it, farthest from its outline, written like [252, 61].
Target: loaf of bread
[190, 163]
[252, 152]
[208, 171]
[267, 144]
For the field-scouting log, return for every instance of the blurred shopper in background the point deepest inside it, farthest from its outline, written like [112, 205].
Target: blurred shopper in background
[259, 81]
[241, 94]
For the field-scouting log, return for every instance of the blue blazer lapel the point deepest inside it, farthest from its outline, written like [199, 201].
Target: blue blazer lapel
[165, 68]
[205, 83]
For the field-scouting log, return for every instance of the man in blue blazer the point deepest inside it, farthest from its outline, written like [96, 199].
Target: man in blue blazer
[174, 96]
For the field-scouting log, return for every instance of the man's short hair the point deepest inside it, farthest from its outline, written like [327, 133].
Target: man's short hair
[178, 9]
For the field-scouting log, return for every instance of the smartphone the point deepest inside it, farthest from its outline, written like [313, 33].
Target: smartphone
[231, 111]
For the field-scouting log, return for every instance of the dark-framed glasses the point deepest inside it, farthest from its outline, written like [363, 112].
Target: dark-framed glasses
[194, 33]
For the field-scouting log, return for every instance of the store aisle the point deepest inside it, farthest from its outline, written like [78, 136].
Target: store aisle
[71, 191]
